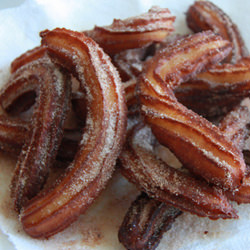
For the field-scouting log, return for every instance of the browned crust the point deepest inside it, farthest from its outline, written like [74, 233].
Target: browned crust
[135, 32]
[204, 15]
[216, 91]
[145, 223]
[28, 56]
[55, 209]
[180, 129]
[40, 148]
[169, 185]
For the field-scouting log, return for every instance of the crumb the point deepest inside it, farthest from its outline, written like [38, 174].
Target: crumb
[91, 236]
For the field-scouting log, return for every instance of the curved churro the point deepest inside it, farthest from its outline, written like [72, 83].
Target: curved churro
[39, 151]
[54, 209]
[180, 129]
[134, 32]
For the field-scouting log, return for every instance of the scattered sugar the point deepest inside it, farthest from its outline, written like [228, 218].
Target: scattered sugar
[161, 177]
[102, 136]
[187, 232]
[226, 21]
[156, 18]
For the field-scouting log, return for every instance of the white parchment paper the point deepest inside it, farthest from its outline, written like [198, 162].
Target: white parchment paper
[97, 229]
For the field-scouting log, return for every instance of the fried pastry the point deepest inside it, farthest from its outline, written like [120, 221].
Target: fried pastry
[181, 130]
[166, 184]
[56, 208]
[145, 223]
[39, 151]
[204, 15]
[134, 32]
[216, 91]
